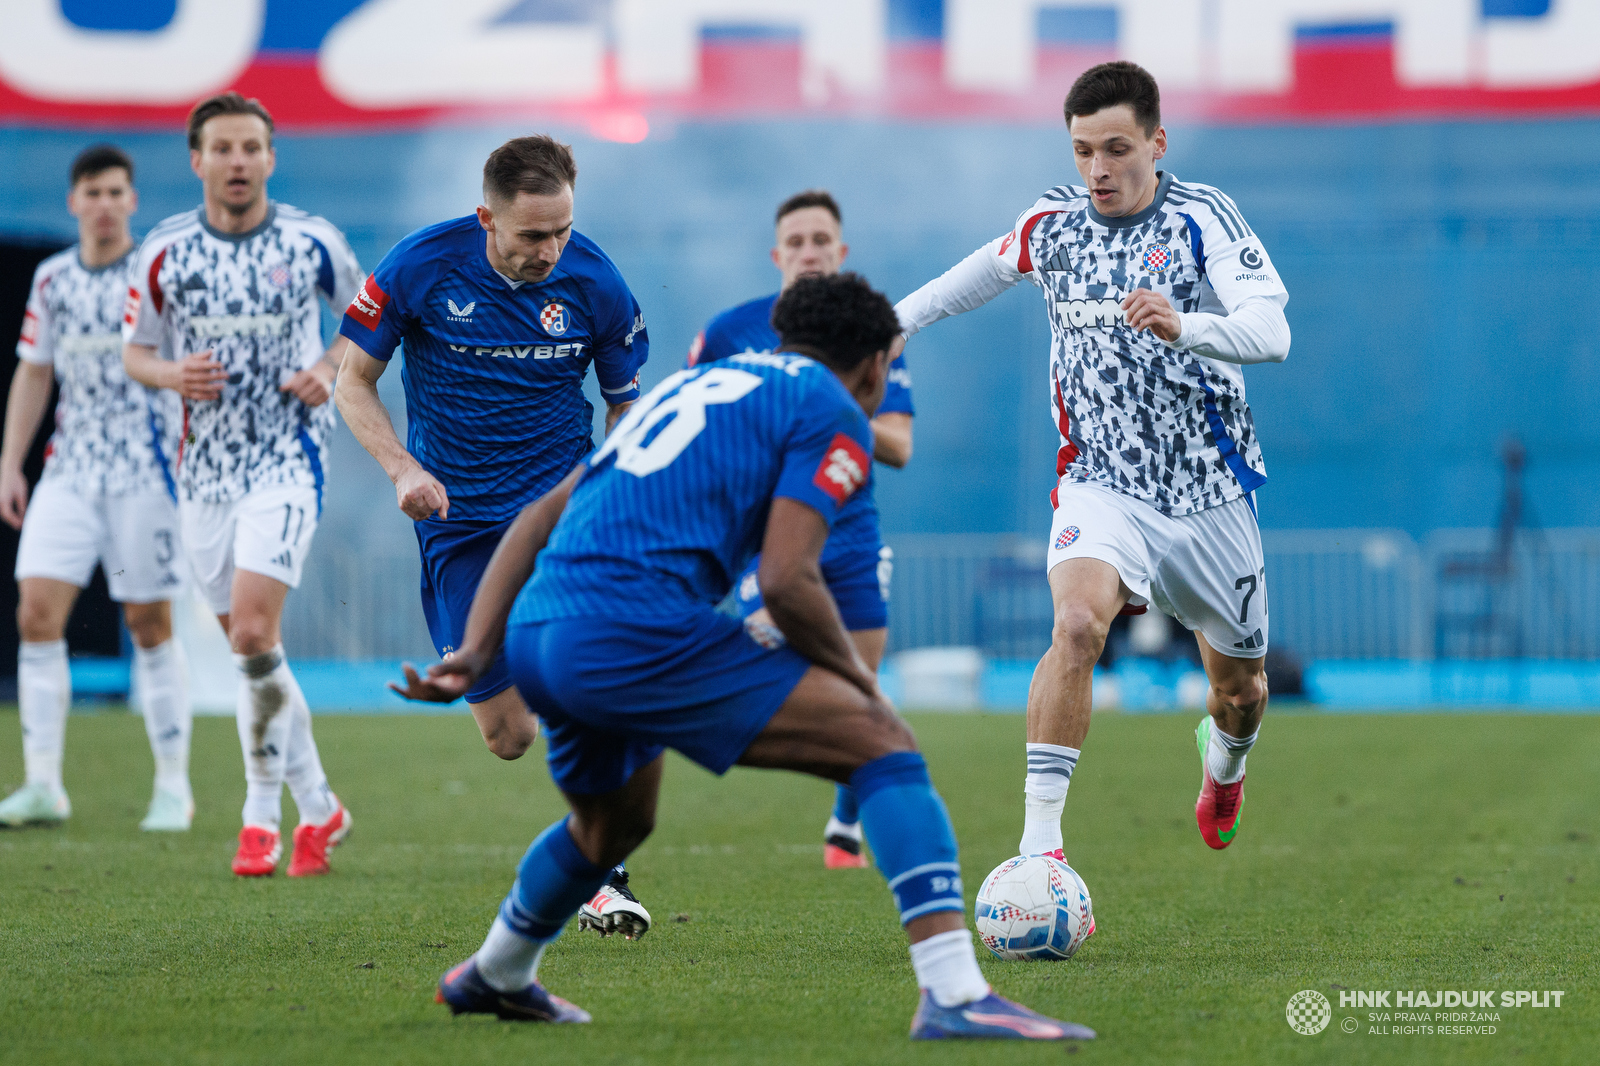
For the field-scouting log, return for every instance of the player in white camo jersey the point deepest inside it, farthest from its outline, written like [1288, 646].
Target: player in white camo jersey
[105, 497]
[223, 310]
[1157, 293]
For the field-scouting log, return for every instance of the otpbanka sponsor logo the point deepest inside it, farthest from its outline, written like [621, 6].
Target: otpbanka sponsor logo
[1434, 1013]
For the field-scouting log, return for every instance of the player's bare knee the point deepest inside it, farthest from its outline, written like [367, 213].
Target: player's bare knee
[36, 622]
[1078, 635]
[149, 624]
[507, 746]
[1245, 690]
[507, 741]
[251, 635]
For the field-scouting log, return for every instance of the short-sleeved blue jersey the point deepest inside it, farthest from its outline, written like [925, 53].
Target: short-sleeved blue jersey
[675, 502]
[748, 328]
[494, 370]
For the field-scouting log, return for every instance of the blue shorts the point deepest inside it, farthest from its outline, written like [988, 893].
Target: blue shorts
[858, 580]
[615, 694]
[454, 557]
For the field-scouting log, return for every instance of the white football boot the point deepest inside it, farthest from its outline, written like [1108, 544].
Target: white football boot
[35, 803]
[170, 812]
[614, 909]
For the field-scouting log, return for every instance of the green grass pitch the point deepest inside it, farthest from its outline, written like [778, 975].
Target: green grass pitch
[1406, 852]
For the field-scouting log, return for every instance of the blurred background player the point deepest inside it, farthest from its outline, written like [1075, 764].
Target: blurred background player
[501, 314]
[1157, 292]
[223, 310]
[856, 564]
[106, 496]
[617, 642]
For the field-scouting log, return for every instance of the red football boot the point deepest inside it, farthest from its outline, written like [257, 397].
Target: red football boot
[260, 849]
[312, 843]
[1217, 809]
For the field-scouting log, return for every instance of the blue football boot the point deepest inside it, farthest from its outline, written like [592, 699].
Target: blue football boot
[990, 1018]
[465, 991]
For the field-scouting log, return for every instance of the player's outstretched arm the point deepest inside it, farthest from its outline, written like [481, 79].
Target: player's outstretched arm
[194, 377]
[417, 492]
[797, 597]
[30, 395]
[509, 569]
[968, 285]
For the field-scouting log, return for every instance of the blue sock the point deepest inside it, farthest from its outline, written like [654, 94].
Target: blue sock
[908, 827]
[553, 881]
[845, 807]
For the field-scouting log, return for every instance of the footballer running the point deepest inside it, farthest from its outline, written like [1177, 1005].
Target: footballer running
[501, 314]
[223, 310]
[106, 496]
[1158, 293]
[617, 643]
[856, 564]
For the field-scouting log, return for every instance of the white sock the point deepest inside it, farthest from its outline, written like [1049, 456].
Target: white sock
[164, 677]
[1225, 754]
[947, 966]
[44, 692]
[303, 766]
[264, 683]
[508, 960]
[1044, 797]
[842, 829]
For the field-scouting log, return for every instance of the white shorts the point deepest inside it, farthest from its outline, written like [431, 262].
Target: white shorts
[1204, 569]
[135, 537]
[267, 532]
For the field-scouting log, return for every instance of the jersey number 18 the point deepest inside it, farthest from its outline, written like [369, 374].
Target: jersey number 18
[688, 405]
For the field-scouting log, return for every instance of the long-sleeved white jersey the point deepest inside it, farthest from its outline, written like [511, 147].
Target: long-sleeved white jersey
[1164, 423]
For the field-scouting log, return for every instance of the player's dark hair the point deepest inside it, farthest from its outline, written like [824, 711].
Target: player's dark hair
[810, 198]
[538, 165]
[1110, 84]
[99, 158]
[228, 103]
[839, 317]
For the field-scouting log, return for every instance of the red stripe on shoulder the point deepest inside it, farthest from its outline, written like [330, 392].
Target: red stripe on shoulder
[157, 299]
[1024, 259]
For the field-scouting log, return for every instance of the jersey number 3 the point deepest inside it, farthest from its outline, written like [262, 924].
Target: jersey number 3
[687, 410]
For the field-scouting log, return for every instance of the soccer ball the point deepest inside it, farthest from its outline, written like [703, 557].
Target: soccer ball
[1033, 907]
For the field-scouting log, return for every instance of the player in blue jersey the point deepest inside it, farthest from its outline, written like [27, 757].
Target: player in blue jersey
[618, 644]
[855, 562]
[501, 314]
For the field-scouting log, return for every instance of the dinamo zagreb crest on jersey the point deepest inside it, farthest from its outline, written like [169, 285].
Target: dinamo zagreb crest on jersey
[676, 500]
[1162, 425]
[494, 368]
[251, 300]
[113, 436]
